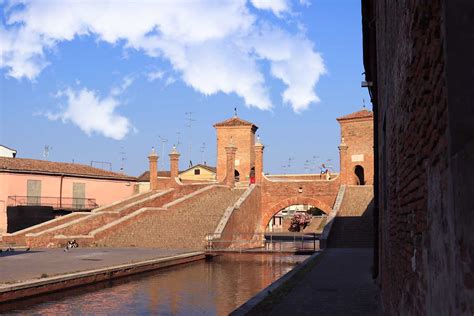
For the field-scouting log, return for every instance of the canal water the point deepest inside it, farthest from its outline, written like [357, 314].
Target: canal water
[207, 287]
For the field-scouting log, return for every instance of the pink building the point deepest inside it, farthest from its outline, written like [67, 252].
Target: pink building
[28, 187]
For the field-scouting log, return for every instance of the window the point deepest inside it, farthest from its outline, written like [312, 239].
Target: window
[33, 192]
[197, 172]
[78, 195]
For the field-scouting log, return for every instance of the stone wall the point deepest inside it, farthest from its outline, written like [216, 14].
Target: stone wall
[419, 57]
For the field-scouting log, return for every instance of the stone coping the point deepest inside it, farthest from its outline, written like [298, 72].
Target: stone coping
[249, 306]
[228, 212]
[130, 216]
[25, 231]
[192, 194]
[96, 214]
[332, 215]
[267, 178]
[120, 201]
[23, 289]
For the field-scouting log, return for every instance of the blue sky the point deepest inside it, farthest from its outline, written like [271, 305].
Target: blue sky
[93, 79]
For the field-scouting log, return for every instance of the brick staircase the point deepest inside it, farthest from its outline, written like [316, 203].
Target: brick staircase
[181, 224]
[353, 225]
[56, 232]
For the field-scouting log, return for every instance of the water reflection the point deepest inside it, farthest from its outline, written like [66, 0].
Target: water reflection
[214, 287]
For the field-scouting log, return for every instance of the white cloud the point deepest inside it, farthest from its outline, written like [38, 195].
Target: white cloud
[94, 114]
[127, 81]
[169, 80]
[155, 75]
[277, 6]
[213, 46]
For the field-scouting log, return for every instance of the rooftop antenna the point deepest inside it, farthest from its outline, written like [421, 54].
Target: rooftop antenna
[203, 148]
[46, 150]
[235, 112]
[290, 160]
[163, 142]
[101, 164]
[307, 165]
[178, 136]
[189, 122]
[122, 159]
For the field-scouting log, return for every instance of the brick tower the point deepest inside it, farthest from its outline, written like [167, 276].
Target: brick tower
[241, 134]
[357, 148]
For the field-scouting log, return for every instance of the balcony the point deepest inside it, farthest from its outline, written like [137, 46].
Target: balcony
[57, 203]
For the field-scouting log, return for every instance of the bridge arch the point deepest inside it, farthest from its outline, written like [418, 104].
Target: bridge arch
[275, 208]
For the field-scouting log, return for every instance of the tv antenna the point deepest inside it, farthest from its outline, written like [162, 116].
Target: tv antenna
[163, 142]
[203, 148]
[122, 159]
[290, 161]
[100, 164]
[46, 150]
[178, 141]
[189, 122]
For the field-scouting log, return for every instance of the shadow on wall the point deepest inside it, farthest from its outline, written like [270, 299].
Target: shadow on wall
[353, 230]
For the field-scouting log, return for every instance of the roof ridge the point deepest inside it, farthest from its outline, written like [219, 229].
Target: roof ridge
[235, 121]
[358, 114]
[55, 167]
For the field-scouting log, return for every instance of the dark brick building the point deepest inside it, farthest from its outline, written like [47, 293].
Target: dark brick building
[419, 62]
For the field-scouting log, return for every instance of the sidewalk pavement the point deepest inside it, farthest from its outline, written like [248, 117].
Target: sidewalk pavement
[339, 284]
[23, 265]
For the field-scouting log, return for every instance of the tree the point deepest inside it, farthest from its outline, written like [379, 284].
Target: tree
[299, 221]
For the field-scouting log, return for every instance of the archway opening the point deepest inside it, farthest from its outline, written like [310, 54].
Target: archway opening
[236, 175]
[359, 173]
[297, 218]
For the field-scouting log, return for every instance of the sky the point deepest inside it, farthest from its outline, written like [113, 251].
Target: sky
[102, 82]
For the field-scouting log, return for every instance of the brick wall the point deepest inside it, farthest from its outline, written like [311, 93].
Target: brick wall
[244, 223]
[425, 151]
[353, 225]
[180, 226]
[276, 195]
[358, 135]
[243, 137]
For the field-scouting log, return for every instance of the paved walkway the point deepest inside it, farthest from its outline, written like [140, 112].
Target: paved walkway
[339, 284]
[20, 266]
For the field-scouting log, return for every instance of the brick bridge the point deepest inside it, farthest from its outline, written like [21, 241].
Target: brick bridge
[225, 207]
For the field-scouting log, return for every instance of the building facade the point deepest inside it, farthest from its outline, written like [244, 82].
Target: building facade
[240, 134]
[357, 148]
[419, 68]
[60, 186]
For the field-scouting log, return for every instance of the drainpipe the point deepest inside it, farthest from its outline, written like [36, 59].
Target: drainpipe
[61, 192]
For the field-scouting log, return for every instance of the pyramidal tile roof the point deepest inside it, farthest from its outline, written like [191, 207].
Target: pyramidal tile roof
[235, 121]
[357, 115]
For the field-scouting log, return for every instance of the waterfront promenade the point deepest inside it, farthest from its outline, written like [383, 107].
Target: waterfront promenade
[21, 266]
[335, 282]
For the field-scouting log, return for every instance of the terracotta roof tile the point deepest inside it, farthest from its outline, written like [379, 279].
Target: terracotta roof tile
[357, 115]
[145, 176]
[235, 121]
[211, 169]
[22, 165]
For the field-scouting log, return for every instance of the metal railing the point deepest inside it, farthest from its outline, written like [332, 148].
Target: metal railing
[63, 203]
[263, 242]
